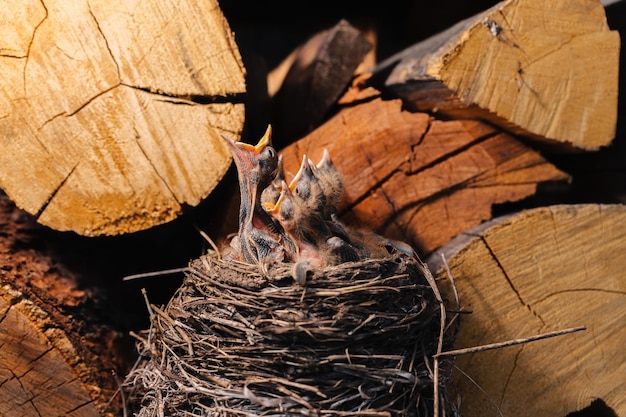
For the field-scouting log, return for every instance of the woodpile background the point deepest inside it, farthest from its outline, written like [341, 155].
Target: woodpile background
[491, 133]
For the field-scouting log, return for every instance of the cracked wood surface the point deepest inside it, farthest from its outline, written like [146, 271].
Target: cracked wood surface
[58, 347]
[541, 270]
[319, 72]
[414, 178]
[35, 378]
[545, 69]
[111, 112]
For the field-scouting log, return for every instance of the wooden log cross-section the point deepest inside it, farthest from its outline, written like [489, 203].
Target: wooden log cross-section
[110, 112]
[414, 178]
[542, 270]
[58, 353]
[544, 69]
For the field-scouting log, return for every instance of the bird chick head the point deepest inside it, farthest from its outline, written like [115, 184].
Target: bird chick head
[271, 193]
[331, 183]
[300, 184]
[256, 164]
[308, 189]
[256, 168]
[325, 163]
[284, 210]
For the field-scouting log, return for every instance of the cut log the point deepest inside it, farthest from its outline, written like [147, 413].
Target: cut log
[58, 355]
[414, 178]
[319, 72]
[541, 270]
[368, 32]
[111, 112]
[545, 69]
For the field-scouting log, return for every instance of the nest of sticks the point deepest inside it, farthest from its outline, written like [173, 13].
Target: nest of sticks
[357, 339]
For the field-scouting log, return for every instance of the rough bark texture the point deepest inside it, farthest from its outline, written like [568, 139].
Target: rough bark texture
[58, 352]
[544, 69]
[111, 112]
[418, 179]
[542, 270]
[320, 71]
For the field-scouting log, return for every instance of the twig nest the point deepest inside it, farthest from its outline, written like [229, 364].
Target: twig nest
[355, 340]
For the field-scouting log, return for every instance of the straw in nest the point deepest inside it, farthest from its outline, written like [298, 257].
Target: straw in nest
[356, 340]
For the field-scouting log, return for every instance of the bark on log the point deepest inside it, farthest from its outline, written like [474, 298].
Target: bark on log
[57, 353]
[541, 270]
[111, 112]
[319, 71]
[414, 178]
[546, 69]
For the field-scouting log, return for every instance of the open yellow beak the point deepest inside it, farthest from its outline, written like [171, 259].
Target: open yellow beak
[258, 148]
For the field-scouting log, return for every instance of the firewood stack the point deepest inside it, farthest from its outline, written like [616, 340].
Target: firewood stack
[493, 148]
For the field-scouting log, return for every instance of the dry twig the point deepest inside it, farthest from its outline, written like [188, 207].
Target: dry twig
[356, 340]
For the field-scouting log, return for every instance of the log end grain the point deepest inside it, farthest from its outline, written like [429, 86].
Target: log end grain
[541, 270]
[111, 116]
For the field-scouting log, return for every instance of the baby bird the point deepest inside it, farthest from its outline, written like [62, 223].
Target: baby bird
[323, 185]
[314, 196]
[310, 251]
[330, 182]
[308, 188]
[316, 246]
[271, 193]
[260, 237]
[292, 217]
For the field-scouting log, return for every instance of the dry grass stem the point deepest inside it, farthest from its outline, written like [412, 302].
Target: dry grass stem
[357, 340]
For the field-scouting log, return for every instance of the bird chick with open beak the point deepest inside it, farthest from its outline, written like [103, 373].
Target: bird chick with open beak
[292, 217]
[298, 212]
[260, 237]
[312, 250]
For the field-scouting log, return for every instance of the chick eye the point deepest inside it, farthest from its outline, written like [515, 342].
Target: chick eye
[268, 160]
[301, 191]
[269, 153]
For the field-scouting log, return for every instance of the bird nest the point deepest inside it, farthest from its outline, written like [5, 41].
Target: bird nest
[357, 339]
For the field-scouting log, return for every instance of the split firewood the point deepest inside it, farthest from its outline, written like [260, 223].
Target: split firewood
[319, 72]
[413, 178]
[276, 76]
[111, 112]
[546, 69]
[58, 355]
[541, 270]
